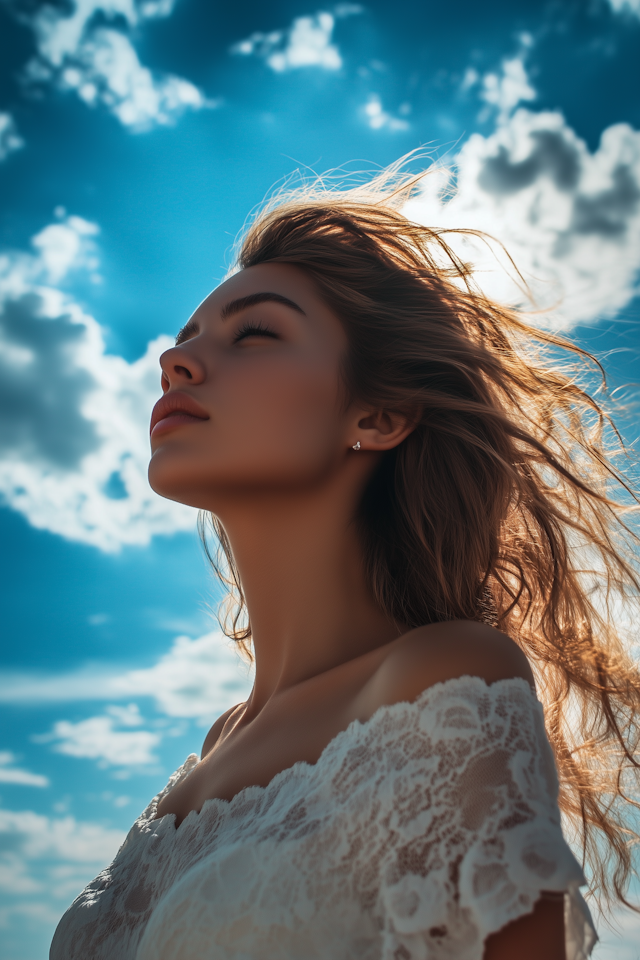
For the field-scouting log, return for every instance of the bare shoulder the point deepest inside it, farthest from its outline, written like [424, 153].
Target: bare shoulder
[444, 651]
[212, 737]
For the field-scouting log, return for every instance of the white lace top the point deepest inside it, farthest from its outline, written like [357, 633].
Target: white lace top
[414, 836]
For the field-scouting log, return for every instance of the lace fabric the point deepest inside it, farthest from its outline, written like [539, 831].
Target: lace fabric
[416, 835]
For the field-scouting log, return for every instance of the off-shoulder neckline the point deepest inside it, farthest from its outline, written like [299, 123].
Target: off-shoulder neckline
[304, 768]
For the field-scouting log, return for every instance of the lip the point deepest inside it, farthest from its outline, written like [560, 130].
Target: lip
[173, 410]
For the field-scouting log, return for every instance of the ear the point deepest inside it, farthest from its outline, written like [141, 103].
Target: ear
[381, 430]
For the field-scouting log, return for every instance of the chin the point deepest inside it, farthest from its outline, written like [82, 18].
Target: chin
[171, 481]
[184, 475]
[175, 478]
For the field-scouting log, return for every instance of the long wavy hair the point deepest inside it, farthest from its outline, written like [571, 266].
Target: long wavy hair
[505, 503]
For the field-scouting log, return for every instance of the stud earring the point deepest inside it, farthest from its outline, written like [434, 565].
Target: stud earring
[356, 446]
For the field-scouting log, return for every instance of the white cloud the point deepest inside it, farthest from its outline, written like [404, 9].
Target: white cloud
[12, 774]
[10, 139]
[502, 90]
[78, 52]
[306, 43]
[570, 218]
[51, 857]
[101, 738]
[48, 860]
[106, 69]
[505, 90]
[74, 419]
[469, 79]
[66, 246]
[196, 679]
[378, 118]
[626, 6]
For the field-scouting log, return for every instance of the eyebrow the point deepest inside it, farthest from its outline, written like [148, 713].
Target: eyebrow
[235, 306]
[191, 327]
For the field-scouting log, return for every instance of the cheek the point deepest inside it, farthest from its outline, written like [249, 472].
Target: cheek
[282, 414]
[287, 403]
[276, 423]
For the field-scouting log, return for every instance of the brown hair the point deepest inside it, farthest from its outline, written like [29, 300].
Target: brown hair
[501, 503]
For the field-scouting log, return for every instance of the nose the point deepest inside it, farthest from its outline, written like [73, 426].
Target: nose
[179, 367]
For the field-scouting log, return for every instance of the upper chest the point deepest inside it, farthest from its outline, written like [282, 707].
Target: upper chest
[296, 728]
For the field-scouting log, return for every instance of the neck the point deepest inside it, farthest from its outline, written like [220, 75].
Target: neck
[302, 573]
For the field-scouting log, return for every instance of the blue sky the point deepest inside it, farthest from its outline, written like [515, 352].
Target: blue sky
[135, 137]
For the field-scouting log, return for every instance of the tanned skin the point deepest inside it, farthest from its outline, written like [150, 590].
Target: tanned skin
[270, 453]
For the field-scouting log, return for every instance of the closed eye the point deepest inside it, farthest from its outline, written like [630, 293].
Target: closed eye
[254, 329]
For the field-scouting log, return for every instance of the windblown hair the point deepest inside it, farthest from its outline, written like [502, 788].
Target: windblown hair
[503, 504]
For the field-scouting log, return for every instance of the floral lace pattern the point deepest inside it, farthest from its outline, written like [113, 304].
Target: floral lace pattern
[416, 835]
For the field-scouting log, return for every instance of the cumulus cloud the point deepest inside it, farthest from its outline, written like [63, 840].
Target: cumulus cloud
[106, 69]
[73, 419]
[10, 139]
[102, 738]
[502, 90]
[50, 858]
[88, 49]
[306, 43]
[379, 119]
[507, 89]
[569, 217]
[47, 860]
[626, 6]
[9, 773]
[63, 247]
[196, 679]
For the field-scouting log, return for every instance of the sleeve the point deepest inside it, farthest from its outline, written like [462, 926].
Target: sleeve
[474, 826]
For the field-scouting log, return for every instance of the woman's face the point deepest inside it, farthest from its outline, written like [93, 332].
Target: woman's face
[253, 398]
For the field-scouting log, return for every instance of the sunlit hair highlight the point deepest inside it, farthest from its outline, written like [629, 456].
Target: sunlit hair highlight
[503, 504]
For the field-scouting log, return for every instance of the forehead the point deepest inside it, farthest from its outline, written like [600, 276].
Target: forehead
[280, 278]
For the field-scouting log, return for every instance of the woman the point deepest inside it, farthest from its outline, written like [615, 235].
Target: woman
[406, 495]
